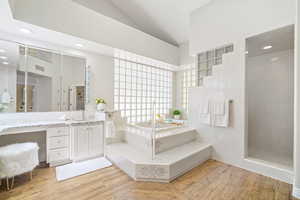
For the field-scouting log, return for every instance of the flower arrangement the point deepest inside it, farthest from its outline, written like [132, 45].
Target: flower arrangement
[101, 104]
[100, 100]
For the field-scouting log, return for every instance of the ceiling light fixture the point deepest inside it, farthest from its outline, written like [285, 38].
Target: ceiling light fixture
[79, 45]
[246, 52]
[5, 63]
[3, 57]
[267, 47]
[25, 30]
[2, 51]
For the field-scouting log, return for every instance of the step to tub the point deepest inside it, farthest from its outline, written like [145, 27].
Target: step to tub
[165, 167]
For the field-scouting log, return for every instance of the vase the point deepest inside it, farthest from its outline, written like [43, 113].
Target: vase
[177, 117]
[101, 107]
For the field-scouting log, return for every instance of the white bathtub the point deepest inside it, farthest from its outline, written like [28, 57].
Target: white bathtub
[147, 126]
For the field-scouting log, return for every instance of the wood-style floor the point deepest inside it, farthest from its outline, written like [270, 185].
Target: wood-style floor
[211, 181]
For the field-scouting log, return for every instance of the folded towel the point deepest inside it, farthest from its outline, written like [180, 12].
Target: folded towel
[204, 112]
[222, 120]
[218, 107]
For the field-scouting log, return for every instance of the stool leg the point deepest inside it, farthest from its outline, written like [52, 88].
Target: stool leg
[30, 175]
[12, 182]
[7, 183]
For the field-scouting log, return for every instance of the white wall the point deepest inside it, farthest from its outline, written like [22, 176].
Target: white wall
[224, 21]
[68, 17]
[232, 21]
[296, 188]
[270, 88]
[102, 78]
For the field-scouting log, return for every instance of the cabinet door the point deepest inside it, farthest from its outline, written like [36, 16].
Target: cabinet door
[96, 140]
[81, 142]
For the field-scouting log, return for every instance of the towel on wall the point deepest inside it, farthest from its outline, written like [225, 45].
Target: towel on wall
[220, 117]
[204, 112]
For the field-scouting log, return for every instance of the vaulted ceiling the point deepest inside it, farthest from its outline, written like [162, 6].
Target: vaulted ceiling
[167, 20]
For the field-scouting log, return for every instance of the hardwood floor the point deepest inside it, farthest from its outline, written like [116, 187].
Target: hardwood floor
[211, 181]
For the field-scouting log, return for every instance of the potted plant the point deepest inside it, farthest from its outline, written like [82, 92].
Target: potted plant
[101, 104]
[176, 114]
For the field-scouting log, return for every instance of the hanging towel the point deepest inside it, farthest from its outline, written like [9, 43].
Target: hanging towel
[218, 107]
[221, 114]
[204, 112]
[204, 107]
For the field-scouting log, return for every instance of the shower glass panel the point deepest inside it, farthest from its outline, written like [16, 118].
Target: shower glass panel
[269, 91]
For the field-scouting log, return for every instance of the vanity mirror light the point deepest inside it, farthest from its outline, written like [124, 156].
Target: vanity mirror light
[40, 80]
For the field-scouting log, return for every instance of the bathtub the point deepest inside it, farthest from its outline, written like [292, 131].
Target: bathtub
[161, 126]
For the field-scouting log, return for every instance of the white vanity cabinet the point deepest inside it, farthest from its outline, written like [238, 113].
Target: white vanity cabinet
[87, 141]
[58, 145]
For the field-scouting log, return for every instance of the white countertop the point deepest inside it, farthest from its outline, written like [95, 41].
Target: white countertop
[23, 124]
[18, 122]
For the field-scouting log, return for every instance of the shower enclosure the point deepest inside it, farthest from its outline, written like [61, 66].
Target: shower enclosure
[269, 96]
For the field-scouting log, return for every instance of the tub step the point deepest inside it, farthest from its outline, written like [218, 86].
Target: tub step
[165, 167]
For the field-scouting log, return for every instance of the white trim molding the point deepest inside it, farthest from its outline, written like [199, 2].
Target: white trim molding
[296, 192]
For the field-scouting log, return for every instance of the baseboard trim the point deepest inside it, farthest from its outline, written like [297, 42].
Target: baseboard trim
[296, 192]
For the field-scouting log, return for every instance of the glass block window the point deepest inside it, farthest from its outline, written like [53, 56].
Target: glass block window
[138, 82]
[208, 59]
[188, 79]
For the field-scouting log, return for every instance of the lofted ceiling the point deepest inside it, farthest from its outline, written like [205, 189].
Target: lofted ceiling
[167, 20]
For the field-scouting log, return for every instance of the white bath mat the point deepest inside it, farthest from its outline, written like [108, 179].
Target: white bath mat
[76, 169]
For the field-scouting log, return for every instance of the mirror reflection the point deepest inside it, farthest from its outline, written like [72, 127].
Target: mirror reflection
[39, 80]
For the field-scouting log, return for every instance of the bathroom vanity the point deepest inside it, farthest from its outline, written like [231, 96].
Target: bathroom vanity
[66, 140]
[38, 88]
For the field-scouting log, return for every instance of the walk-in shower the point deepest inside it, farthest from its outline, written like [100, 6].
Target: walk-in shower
[269, 96]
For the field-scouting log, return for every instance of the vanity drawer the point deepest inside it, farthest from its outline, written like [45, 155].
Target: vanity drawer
[60, 131]
[58, 155]
[58, 142]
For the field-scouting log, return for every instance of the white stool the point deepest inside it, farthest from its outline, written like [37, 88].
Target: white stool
[17, 159]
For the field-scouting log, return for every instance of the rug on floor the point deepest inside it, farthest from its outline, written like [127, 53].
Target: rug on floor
[79, 168]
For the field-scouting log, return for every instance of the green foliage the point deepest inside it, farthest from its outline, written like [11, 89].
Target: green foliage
[99, 100]
[176, 112]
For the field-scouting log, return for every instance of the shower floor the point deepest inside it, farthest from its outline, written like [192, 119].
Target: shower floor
[283, 162]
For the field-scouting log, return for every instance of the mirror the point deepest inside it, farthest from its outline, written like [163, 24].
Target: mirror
[12, 78]
[73, 83]
[39, 80]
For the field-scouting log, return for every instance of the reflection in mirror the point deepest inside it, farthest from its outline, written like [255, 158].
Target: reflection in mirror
[73, 83]
[43, 79]
[12, 78]
[38, 80]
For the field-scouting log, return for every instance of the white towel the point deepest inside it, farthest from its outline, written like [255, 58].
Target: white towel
[204, 112]
[204, 107]
[221, 120]
[218, 107]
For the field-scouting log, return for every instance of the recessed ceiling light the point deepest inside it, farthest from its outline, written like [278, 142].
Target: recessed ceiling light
[274, 59]
[5, 63]
[25, 30]
[2, 51]
[79, 45]
[267, 47]
[3, 57]
[246, 52]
